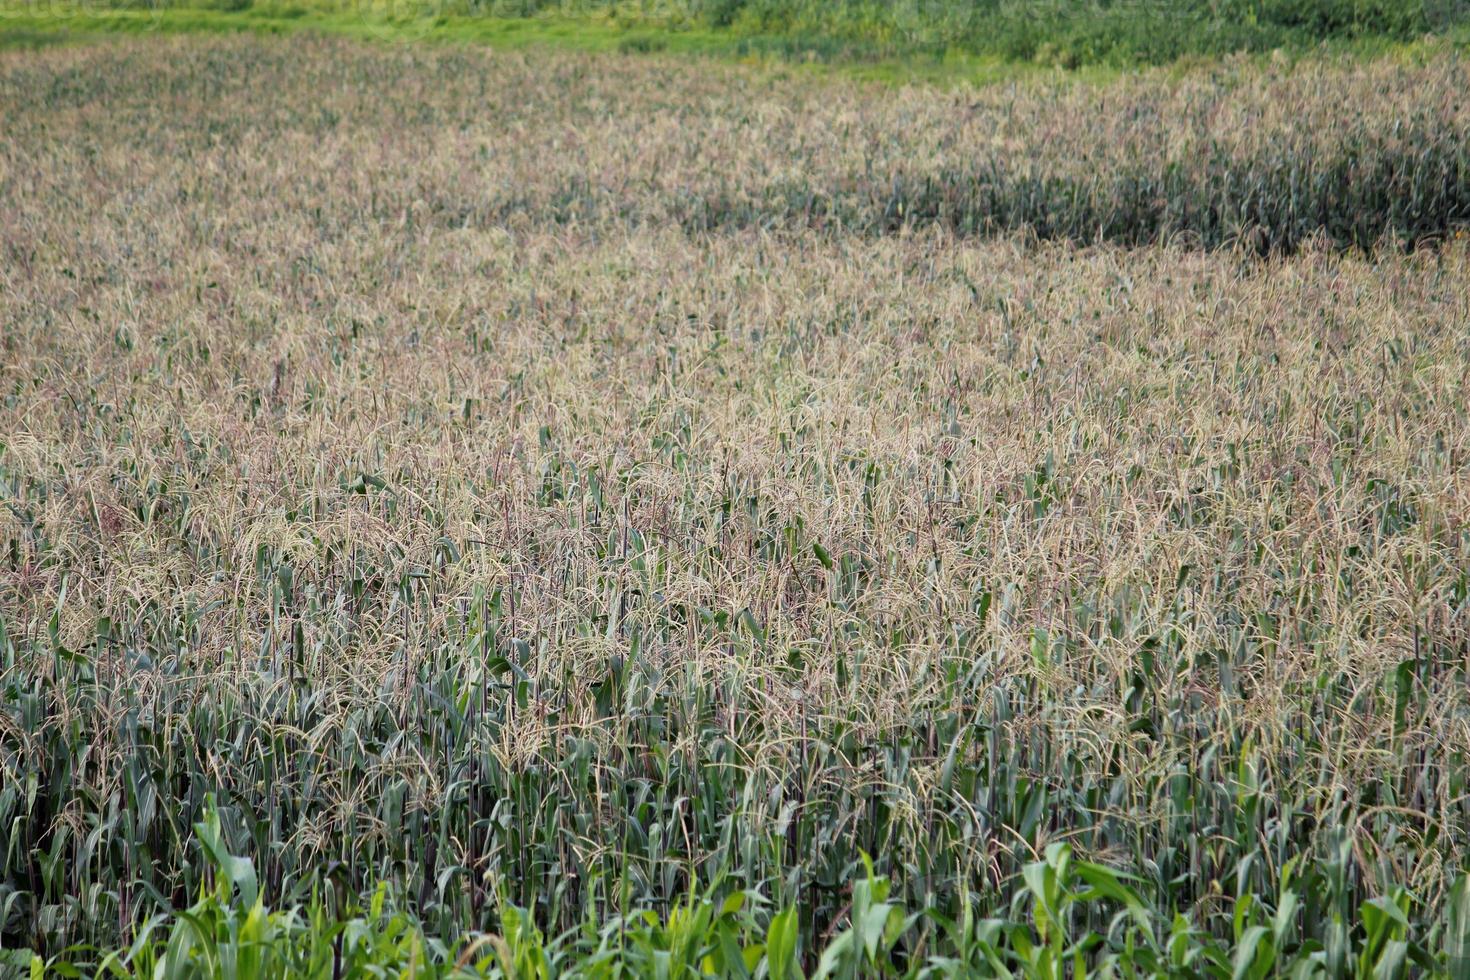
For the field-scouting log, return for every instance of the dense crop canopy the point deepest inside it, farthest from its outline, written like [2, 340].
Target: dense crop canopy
[564, 484]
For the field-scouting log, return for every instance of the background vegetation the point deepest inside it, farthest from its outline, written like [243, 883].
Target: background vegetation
[950, 39]
[610, 516]
[1069, 32]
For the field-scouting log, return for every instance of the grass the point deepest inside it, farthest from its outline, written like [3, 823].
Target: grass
[467, 510]
[1070, 32]
[27, 28]
[946, 44]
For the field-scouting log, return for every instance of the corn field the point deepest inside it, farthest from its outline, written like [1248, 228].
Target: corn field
[507, 515]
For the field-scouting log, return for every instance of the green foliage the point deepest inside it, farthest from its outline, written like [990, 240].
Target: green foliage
[230, 934]
[1047, 33]
[1077, 32]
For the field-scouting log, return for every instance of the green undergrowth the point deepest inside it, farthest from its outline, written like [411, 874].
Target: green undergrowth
[1071, 918]
[884, 55]
[27, 27]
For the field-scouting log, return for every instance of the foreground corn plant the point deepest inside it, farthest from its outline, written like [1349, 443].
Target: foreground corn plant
[542, 492]
[230, 933]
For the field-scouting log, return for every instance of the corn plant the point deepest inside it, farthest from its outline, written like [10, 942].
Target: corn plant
[602, 514]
